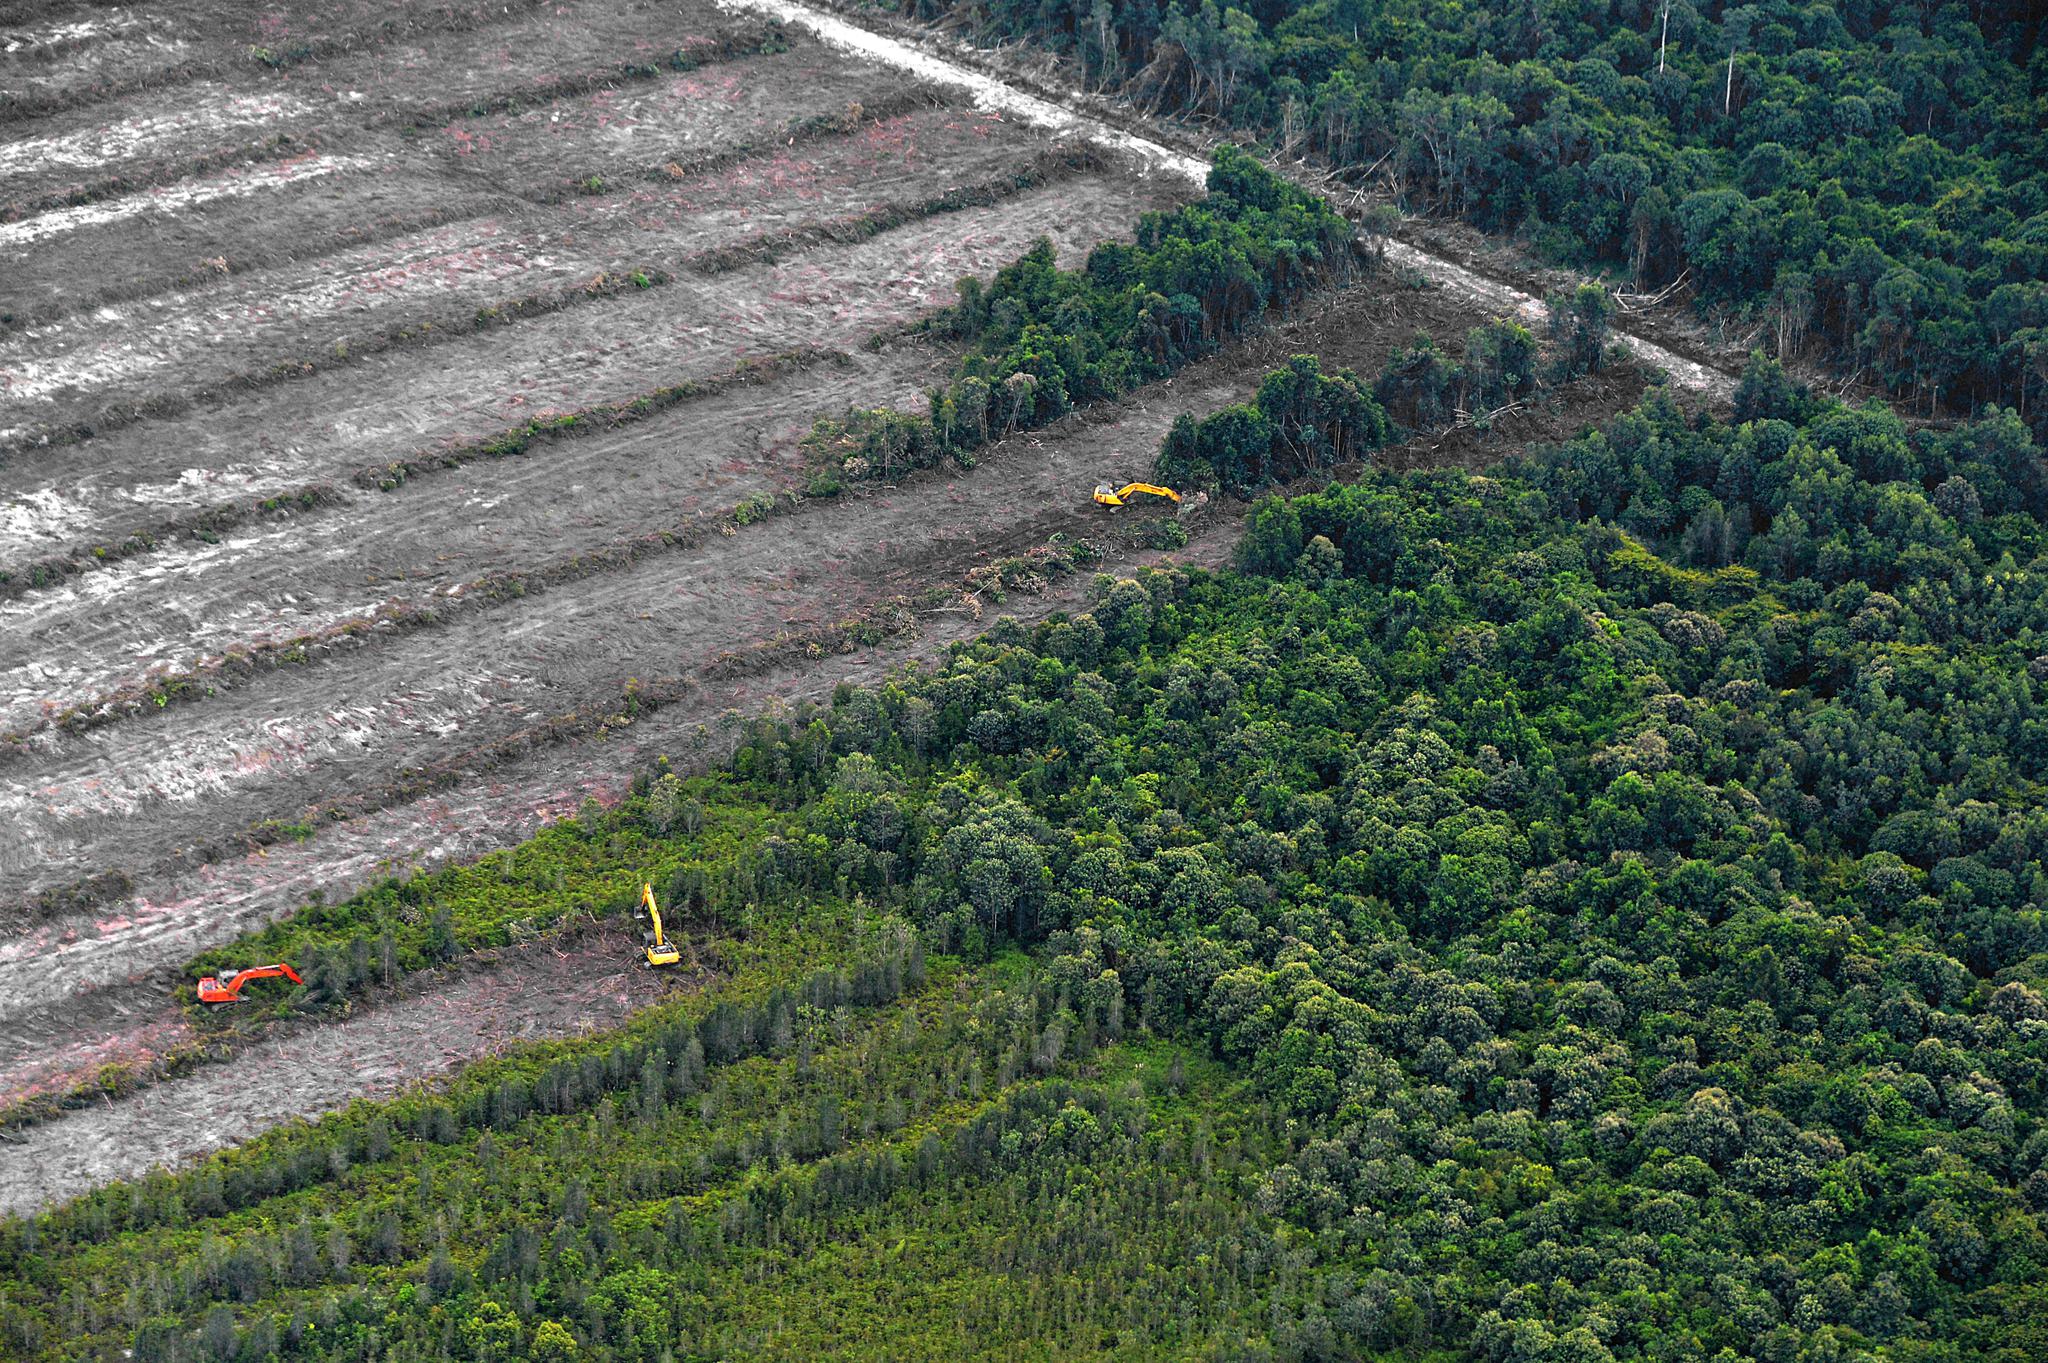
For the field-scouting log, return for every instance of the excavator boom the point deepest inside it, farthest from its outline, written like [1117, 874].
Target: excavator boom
[228, 989]
[658, 949]
[1107, 495]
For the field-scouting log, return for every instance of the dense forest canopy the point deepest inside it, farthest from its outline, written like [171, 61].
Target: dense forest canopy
[1589, 912]
[1865, 184]
[1592, 911]
[1617, 885]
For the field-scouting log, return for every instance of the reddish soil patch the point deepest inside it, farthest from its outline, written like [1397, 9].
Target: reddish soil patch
[522, 994]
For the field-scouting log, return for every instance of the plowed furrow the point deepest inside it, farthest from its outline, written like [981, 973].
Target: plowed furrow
[328, 426]
[159, 351]
[273, 580]
[559, 51]
[292, 737]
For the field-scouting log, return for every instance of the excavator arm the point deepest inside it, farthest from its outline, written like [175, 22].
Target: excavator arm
[658, 949]
[214, 989]
[1107, 495]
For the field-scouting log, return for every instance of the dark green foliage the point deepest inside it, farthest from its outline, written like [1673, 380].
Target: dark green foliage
[1418, 384]
[1866, 182]
[1042, 340]
[1423, 389]
[1633, 861]
[1499, 367]
[1618, 886]
[1767, 391]
[1301, 419]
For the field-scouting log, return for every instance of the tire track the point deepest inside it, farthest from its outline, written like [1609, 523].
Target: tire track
[485, 806]
[154, 48]
[155, 242]
[422, 700]
[330, 426]
[268, 586]
[346, 625]
[807, 292]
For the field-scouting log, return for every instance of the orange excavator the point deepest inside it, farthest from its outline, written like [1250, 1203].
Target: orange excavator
[215, 989]
[1109, 494]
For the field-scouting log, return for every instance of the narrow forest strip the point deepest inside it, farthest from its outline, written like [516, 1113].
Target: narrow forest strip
[1776, 207]
[1042, 341]
[945, 61]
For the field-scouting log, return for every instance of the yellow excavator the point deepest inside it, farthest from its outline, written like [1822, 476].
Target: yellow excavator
[654, 942]
[1108, 495]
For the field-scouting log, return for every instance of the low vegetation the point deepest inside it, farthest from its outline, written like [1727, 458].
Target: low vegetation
[692, 839]
[1042, 340]
[1593, 910]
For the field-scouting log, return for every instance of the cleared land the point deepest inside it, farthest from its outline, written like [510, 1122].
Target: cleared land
[281, 619]
[326, 284]
[536, 991]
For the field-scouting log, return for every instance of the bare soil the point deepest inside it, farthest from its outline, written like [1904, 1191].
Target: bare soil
[178, 248]
[347, 414]
[540, 991]
[665, 623]
[96, 492]
[252, 97]
[197, 598]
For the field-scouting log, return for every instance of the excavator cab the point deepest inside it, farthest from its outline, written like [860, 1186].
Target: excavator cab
[217, 989]
[1108, 494]
[654, 943]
